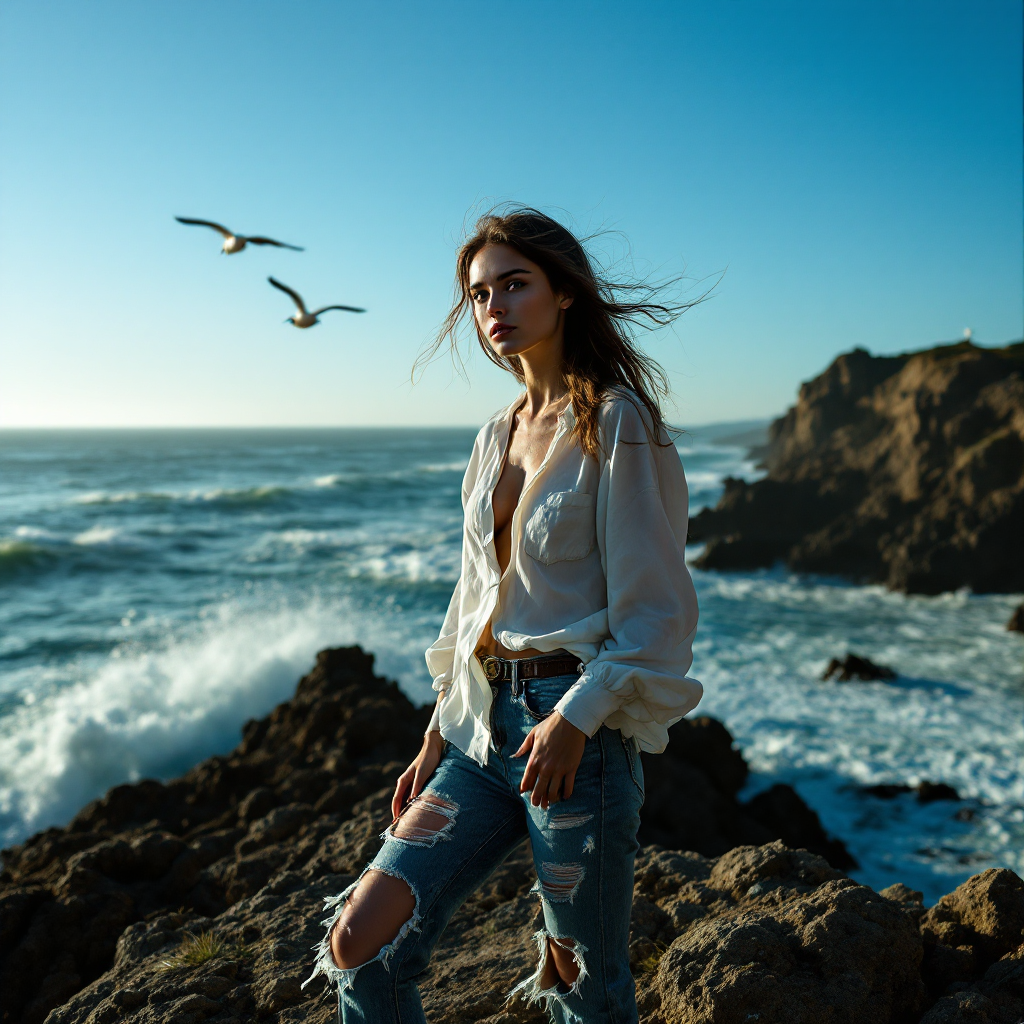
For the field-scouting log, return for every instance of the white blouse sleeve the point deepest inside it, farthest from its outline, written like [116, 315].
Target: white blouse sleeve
[639, 675]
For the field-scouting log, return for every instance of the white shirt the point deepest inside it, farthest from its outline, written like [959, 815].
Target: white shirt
[597, 568]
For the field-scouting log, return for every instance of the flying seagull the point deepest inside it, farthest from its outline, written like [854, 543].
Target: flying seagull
[236, 243]
[303, 318]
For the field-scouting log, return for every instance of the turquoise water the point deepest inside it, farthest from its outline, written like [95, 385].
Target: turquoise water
[158, 588]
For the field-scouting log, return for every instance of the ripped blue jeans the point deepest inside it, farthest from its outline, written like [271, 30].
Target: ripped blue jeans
[583, 850]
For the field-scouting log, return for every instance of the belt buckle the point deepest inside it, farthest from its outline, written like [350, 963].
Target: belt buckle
[491, 667]
[517, 684]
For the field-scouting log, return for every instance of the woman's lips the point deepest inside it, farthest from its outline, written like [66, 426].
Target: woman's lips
[499, 330]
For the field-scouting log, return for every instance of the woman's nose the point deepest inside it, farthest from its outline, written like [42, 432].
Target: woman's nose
[495, 307]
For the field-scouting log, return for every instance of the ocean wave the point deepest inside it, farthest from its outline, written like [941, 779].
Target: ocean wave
[256, 495]
[405, 558]
[99, 535]
[331, 479]
[18, 555]
[459, 466]
[123, 497]
[156, 713]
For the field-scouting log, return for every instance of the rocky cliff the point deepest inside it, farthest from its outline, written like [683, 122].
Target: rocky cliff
[906, 470]
[200, 899]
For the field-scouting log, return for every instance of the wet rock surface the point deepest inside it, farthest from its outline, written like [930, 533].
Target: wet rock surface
[201, 899]
[906, 470]
[1016, 620]
[853, 666]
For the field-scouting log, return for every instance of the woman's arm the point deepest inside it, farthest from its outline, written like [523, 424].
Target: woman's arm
[652, 606]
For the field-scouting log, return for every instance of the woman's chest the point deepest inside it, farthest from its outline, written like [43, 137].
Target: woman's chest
[526, 450]
[556, 499]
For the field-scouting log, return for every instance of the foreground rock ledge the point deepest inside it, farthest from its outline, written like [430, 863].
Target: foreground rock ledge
[95, 918]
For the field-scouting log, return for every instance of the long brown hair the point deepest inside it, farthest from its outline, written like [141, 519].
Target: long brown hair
[600, 351]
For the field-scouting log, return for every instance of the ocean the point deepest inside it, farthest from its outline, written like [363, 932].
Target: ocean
[159, 588]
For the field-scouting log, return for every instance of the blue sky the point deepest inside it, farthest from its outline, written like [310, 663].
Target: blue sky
[853, 168]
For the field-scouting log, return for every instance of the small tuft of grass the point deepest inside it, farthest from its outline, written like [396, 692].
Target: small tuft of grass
[199, 949]
[649, 965]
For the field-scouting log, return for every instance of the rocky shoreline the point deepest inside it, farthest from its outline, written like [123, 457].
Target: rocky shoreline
[199, 899]
[904, 470]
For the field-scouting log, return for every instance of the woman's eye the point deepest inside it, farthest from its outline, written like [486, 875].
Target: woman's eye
[479, 296]
[514, 285]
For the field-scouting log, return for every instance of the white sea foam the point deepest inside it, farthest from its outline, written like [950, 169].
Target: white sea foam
[35, 533]
[96, 535]
[955, 715]
[458, 466]
[154, 714]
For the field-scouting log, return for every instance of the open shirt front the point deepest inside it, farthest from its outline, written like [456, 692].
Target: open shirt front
[597, 568]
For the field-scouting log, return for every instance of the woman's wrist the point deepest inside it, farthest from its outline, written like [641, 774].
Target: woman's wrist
[435, 718]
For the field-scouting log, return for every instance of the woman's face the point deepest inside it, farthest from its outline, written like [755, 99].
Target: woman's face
[513, 303]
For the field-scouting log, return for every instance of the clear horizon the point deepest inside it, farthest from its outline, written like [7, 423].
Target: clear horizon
[852, 169]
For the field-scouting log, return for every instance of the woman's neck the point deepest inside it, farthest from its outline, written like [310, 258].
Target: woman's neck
[544, 378]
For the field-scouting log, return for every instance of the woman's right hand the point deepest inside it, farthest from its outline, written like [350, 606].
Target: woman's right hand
[414, 778]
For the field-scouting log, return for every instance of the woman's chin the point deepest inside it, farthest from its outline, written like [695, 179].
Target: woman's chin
[508, 347]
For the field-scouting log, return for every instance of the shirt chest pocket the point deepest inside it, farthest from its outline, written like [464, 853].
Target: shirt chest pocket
[562, 528]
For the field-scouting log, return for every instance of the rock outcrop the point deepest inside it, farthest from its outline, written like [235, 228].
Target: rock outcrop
[200, 899]
[906, 470]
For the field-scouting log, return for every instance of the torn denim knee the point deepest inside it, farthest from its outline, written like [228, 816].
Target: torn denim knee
[530, 988]
[344, 977]
[559, 883]
[413, 826]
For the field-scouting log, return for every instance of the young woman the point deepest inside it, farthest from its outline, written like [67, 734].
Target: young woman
[564, 652]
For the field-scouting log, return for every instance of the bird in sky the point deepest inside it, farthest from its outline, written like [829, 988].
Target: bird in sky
[302, 317]
[236, 243]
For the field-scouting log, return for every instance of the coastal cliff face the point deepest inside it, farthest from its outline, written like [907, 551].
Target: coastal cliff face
[906, 470]
[200, 899]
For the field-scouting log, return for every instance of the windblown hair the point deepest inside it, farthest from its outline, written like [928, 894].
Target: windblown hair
[601, 353]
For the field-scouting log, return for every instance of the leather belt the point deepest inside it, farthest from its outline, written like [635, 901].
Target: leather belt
[516, 670]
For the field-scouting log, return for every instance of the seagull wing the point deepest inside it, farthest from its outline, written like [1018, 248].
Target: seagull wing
[206, 224]
[260, 240]
[296, 297]
[348, 309]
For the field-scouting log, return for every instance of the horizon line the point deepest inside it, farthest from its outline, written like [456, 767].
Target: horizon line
[317, 426]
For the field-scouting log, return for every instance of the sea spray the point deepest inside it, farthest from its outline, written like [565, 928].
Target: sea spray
[155, 713]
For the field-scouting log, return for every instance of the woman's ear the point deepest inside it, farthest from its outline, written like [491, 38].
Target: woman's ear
[565, 302]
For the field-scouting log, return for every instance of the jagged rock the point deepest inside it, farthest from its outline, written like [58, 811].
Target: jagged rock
[855, 667]
[985, 913]
[929, 792]
[783, 812]
[1016, 623]
[702, 763]
[200, 899]
[906, 470]
[787, 941]
[202, 842]
[997, 999]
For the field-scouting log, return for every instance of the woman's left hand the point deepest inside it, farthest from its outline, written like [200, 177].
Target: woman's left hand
[555, 747]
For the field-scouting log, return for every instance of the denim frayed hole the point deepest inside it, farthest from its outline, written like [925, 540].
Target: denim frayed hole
[562, 821]
[530, 988]
[427, 819]
[559, 883]
[344, 977]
